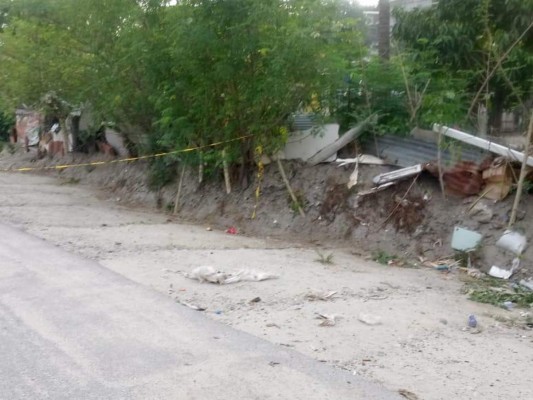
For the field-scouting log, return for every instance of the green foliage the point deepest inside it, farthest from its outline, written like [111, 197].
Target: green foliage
[494, 296]
[458, 42]
[301, 202]
[324, 258]
[6, 123]
[402, 93]
[375, 87]
[382, 257]
[163, 170]
[186, 74]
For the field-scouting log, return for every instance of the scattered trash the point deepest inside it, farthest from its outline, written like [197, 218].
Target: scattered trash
[463, 179]
[231, 230]
[255, 300]
[327, 320]
[375, 190]
[208, 229]
[528, 284]
[407, 394]
[320, 296]
[218, 312]
[354, 177]
[445, 264]
[192, 306]
[472, 321]
[246, 275]
[207, 274]
[465, 240]
[502, 273]
[512, 241]
[347, 137]
[508, 305]
[369, 319]
[498, 180]
[362, 159]
[397, 175]
[212, 275]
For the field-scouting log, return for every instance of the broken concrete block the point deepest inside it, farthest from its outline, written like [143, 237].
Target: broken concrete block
[512, 241]
[465, 240]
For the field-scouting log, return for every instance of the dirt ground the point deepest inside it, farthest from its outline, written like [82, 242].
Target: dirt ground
[417, 339]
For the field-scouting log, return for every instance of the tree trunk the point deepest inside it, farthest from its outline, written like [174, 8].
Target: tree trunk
[495, 117]
[246, 161]
[384, 29]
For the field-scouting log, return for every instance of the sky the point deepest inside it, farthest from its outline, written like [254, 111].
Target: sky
[368, 2]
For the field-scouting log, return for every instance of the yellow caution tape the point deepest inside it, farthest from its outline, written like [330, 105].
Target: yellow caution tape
[121, 160]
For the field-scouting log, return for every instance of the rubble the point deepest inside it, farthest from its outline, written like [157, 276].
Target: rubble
[512, 241]
[212, 275]
[397, 175]
[498, 180]
[502, 273]
[515, 243]
[465, 240]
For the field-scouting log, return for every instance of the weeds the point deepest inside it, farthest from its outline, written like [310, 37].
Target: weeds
[301, 202]
[324, 258]
[497, 296]
[494, 291]
[70, 181]
[382, 257]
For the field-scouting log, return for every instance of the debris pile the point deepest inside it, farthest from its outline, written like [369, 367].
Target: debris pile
[212, 275]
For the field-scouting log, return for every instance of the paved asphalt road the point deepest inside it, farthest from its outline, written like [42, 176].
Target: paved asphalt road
[71, 329]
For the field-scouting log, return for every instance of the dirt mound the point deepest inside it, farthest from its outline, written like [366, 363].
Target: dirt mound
[407, 221]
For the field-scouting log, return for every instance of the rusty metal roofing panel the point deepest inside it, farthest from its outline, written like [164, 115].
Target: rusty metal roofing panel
[407, 151]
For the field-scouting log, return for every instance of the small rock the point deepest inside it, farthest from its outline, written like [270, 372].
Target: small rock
[255, 300]
[482, 213]
[443, 321]
[370, 319]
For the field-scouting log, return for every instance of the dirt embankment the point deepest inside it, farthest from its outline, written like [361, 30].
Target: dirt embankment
[389, 224]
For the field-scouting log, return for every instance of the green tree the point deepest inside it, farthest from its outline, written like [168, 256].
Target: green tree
[246, 67]
[192, 73]
[466, 39]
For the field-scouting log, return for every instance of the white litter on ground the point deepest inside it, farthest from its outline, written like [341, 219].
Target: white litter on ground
[212, 275]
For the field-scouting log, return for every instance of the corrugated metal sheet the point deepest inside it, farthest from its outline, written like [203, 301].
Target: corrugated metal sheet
[28, 126]
[407, 151]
